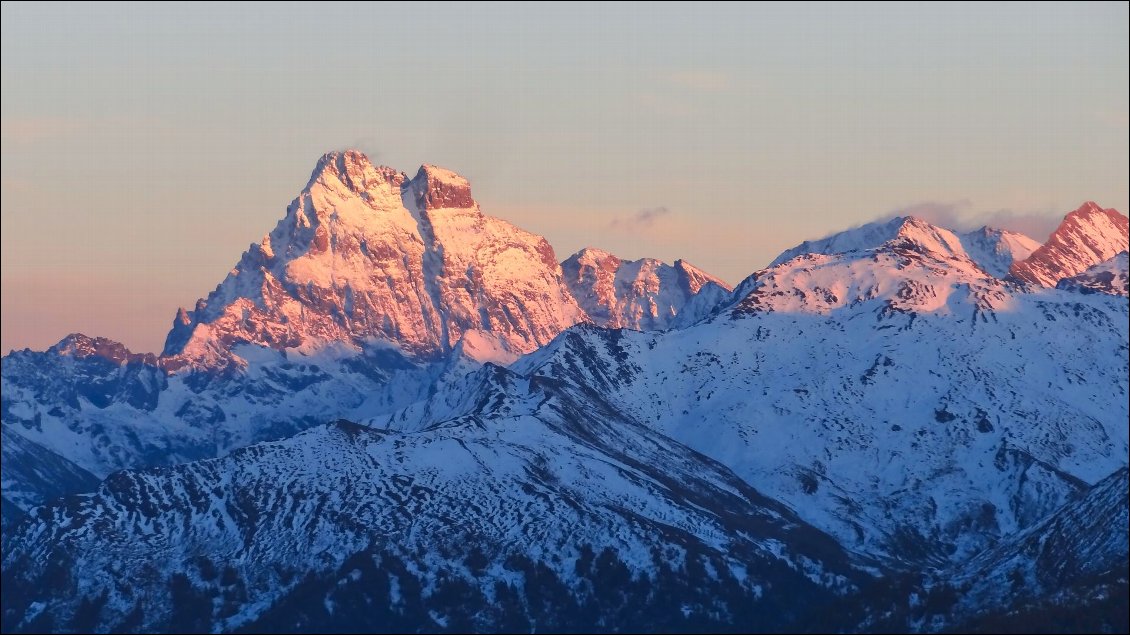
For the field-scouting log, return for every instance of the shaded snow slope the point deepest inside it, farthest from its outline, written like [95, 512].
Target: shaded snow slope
[996, 249]
[533, 481]
[1110, 276]
[896, 397]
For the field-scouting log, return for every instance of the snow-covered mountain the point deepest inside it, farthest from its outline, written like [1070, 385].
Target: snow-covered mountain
[1110, 276]
[872, 235]
[1086, 237]
[33, 475]
[897, 397]
[906, 262]
[365, 254]
[992, 249]
[371, 289]
[536, 500]
[106, 413]
[996, 249]
[643, 294]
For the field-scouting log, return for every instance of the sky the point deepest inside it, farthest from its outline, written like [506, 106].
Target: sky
[144, 147]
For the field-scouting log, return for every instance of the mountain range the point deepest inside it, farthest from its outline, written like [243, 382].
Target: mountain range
[399, 413]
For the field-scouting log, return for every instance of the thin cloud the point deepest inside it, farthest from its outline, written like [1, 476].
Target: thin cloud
[643, 219]
[956, 216]
[940, 213]
[1034, 224]
[367, 144]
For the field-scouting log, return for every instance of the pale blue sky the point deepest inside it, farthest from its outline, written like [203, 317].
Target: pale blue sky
[144, 147]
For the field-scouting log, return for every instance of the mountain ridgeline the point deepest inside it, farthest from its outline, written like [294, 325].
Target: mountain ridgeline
[398, 413]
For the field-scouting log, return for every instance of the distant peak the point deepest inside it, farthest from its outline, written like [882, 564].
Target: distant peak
[1090, 213]
[590, 255]
[695, 278]
[75, 339]
[683, 264]
[1085, 237]
[1090, 207]
[883, 233]
[80, 346]
[440, 188]
[989, 231]
[906, 222]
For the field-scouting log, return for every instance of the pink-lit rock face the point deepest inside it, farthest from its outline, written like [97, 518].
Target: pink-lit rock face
[437, 188]
[79, 346]
[366, 254]
[1086, 237]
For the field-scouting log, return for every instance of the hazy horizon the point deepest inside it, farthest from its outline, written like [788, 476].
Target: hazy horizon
[145, 147]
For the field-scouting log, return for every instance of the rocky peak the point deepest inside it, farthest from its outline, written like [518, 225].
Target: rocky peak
[1087, 236]
[353, 170]
[593, 257]
[644, 294]
[79, 346]
[693, 278]
[364, 253]
[437, 188]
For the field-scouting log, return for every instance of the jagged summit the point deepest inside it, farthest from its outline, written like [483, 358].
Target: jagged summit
[362, 255]
[644, 294]
[79, 346]
[354, 170]
[695, 279]
[366, 254]
[438, 188]
[1087, 236]
[432, 188]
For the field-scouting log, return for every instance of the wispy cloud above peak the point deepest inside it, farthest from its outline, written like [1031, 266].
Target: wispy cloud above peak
[958, 216]
[642, 219]
[941, 213]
